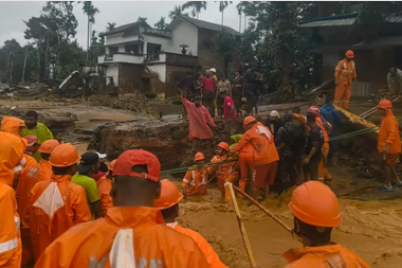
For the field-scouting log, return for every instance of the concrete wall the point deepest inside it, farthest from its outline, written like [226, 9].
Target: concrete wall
[112, 71]
[160, 69]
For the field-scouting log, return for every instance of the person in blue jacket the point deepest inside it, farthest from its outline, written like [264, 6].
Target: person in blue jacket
[333, 117]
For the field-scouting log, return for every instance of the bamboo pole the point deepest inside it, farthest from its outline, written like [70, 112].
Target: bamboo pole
[275, 218]
[242, 228]
[373, 110]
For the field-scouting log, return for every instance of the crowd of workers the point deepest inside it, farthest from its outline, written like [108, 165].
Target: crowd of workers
[76, 211]
[61, 209]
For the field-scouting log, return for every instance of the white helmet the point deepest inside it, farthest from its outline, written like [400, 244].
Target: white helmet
[213, 70]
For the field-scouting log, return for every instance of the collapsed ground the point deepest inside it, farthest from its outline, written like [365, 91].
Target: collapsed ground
[371, 228]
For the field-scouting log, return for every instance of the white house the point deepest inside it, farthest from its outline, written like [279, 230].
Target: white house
[138, 57]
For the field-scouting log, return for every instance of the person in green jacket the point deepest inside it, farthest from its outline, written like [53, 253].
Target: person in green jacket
[34, 128]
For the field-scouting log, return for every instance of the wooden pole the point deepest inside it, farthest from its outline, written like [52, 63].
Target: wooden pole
[275, 218]
[241, 226]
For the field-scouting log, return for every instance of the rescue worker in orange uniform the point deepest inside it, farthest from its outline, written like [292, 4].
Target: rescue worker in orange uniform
[326, 127]
[245, 161]
[389, 144]
[32, 147]
[226, 172]
[57, 204]
[195, 181]
[316, 211]
[132, 234]
[11, 154]
[345, 75]
[265, 156]
[168, 204]
[30, 175]
[104, 185]
[12, 125]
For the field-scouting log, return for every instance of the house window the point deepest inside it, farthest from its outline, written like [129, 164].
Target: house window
[113, 50]
[132, 49]
[153, 51]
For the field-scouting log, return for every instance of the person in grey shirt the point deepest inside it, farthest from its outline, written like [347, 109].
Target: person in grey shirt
[394, 79]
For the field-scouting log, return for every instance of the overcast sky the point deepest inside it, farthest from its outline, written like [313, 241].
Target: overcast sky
[12, 14]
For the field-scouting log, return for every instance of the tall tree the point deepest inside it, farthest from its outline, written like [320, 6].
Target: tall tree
[222, 6]
[12, 49]
[142, 20]
[110, 26]
[176, 12]
[89, 10]
[161, 24]
[196, 7]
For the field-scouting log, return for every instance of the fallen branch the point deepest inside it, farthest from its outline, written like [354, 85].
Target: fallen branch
[241, 226]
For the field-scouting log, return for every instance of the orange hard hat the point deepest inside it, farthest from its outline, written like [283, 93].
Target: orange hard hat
[249, 119]
[170, 195]
[384, 104]
[48, 146]
[111, 165]
[350, 54]
[32, 143]
[315, 204]
[64, 155]
[199, 156]
[224, 146]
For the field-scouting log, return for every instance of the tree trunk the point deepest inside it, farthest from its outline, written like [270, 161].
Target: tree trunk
[198, 13]
[39, 67]
[222, 18]
[47, 64]
[25, 65]
[88, 33]
[240, 23]
[245, 22]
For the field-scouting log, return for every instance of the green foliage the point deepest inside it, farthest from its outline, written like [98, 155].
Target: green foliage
[195, 6]
[161, 24]
[176, 12]
[225, 45]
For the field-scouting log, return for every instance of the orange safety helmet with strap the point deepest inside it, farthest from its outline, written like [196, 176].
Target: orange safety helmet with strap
[48, 146]
[350, 54]
[315, 204]
[384, 104]
[169, 197]
[32, 143]
[224, 146]
[199, 156]
[248, 120]
[64, 155]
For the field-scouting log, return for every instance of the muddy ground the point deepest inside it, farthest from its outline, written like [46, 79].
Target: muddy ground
[370, 228]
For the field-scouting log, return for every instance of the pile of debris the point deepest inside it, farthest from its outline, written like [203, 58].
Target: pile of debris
[131, 102]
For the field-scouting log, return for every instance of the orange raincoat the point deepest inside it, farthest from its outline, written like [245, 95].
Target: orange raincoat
[11, 156]
[323, 257]
[107, 240]
[345, 72]
[12, 125]
[196, 181]
[104, 186]
[30, 175]
[209, 253]
[10, 242]
[264, 151]
[389, 134]
[225, 173]
[56, 206]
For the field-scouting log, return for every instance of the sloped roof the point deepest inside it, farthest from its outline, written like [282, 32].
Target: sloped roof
[341, 20]
[210, 26]
[125, 27]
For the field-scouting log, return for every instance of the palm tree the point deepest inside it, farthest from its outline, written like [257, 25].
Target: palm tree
[248, 9]
[196, 6]
[222, 6]
[110, 26]
[161, 24]
[142, 19]
[176, 12]
[89, 10]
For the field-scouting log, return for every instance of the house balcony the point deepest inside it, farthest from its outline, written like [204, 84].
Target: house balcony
[121, 58]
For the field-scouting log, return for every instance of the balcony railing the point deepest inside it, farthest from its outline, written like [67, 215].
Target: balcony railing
[157, 32]
[121, 58]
